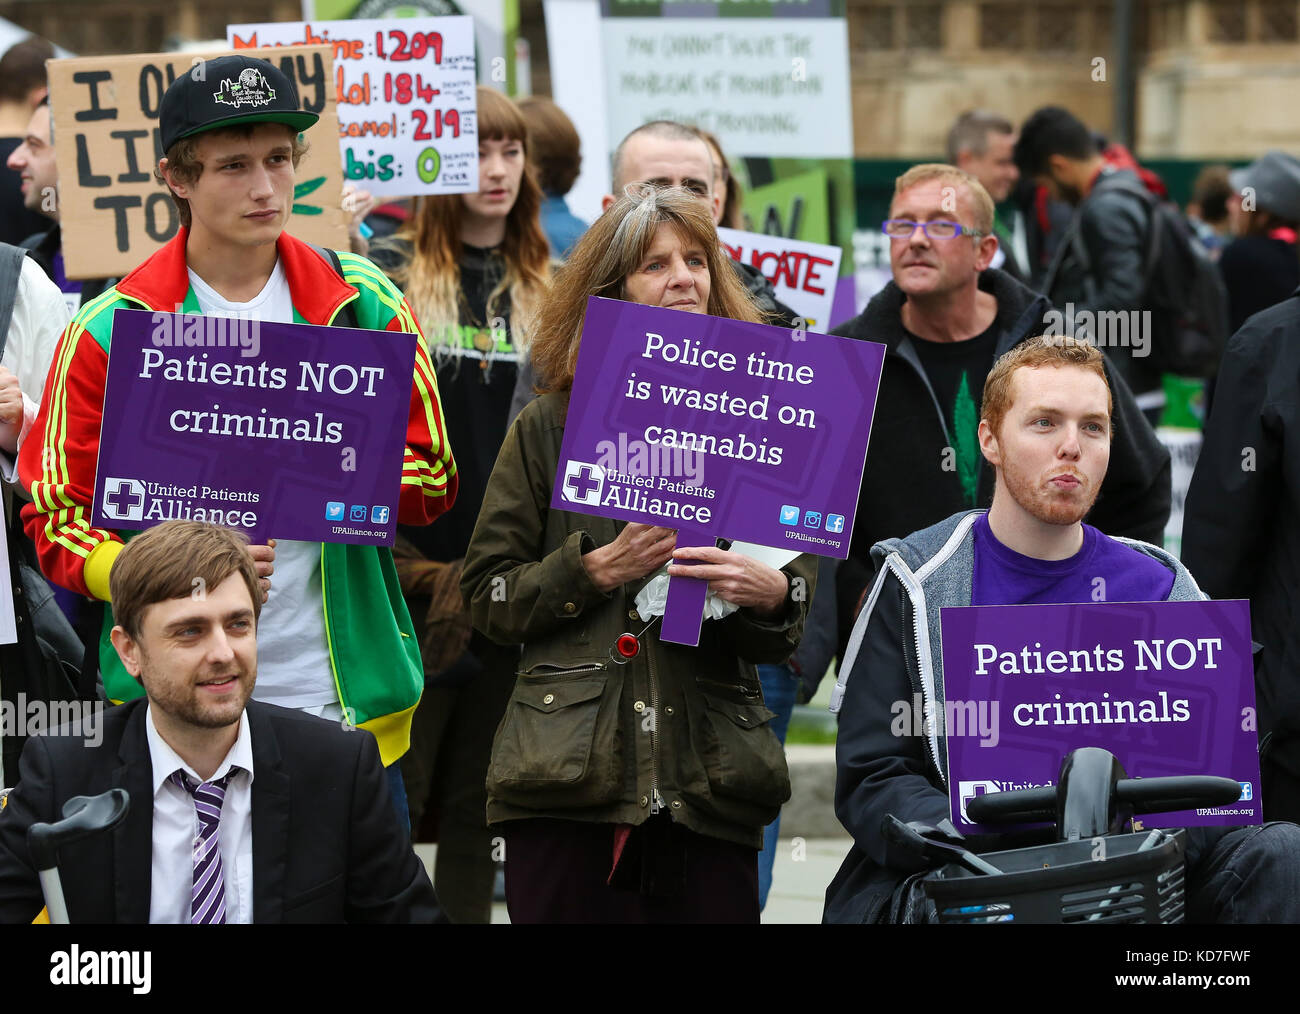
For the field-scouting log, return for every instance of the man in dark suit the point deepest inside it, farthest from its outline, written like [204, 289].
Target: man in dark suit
[210, 773]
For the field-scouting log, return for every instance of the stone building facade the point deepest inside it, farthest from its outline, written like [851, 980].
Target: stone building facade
[1212, 76]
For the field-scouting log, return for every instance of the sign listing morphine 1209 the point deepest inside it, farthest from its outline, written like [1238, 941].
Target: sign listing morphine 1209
[406, 98]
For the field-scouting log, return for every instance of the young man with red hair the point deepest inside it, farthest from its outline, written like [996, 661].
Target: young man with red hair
[1045, 427]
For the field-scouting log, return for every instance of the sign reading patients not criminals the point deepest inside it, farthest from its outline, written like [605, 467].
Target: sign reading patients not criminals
[107, 144]
[743, 431]
[291, 431]
[406, 93]
[1168, 687]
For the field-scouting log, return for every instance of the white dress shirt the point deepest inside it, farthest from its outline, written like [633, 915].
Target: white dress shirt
[176, 829]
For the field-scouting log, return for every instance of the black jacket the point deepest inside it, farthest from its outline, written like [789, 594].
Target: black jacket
[44, 245]
[764, 295]
[1099, 264]
[1241, 529]
[1258, 272]
[326, 843]
[904, 484]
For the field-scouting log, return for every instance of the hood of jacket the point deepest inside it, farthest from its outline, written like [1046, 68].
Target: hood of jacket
[935, 567]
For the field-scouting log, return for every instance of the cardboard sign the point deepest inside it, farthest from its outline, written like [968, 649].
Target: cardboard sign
[407, 108]
[723, 428]
[290, 431]
[1168, 687]
[803, 274]
[114, 214]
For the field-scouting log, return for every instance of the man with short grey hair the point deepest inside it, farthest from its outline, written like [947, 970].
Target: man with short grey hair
[668, 154]
[982, 143]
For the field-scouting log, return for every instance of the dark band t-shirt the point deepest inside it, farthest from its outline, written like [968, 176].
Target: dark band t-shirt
[476, 365]
[957, 371]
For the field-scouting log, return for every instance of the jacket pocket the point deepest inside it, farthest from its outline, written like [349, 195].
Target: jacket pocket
[559, 743]
[322, 903]
[743, 758]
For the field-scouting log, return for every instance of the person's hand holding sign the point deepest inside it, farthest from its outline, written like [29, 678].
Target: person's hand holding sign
[735, 577]
[264, 559]
[11, 410]
[639, 550]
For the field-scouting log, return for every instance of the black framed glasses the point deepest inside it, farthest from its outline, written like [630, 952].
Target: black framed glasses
[904, 228]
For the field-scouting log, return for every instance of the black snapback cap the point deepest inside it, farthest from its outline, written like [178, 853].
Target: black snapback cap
[227, 91]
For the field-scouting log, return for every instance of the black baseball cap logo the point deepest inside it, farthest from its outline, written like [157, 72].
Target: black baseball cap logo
[250, 89]
[247, 91]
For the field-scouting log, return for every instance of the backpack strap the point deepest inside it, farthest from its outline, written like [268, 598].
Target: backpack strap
[11, 269]
[347, 317]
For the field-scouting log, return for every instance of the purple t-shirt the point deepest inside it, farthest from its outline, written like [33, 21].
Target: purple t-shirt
[1103, 570]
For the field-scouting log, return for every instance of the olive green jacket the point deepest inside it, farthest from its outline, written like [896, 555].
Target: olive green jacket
[585, 738]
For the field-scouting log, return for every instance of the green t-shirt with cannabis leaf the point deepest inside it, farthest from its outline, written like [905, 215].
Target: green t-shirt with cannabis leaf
[956, 371]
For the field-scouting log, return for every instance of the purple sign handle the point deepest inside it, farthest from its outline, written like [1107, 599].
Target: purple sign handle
[684, 606]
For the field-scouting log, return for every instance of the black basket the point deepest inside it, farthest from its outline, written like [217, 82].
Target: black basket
[1064, 883]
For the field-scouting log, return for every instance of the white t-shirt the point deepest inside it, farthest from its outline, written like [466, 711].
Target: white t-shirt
[40, 314]
[293, 664]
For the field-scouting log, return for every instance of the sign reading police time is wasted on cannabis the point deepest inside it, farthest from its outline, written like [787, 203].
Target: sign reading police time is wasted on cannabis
[107, 143]
[742, 431]
[292, 431]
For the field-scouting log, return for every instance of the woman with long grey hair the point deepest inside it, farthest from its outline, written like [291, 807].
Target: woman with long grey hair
[637, 791]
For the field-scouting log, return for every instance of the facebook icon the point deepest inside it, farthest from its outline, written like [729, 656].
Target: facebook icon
[378, 515]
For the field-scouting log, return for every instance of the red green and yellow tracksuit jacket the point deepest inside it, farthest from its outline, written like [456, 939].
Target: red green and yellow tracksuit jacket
[372, 649]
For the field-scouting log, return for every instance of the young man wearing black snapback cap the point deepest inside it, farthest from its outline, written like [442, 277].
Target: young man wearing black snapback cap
[335, 636]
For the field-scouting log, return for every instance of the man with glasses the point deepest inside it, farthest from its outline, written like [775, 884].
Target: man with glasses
[945, 317]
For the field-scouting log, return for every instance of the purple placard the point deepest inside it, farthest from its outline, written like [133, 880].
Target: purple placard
[1175, 680]
[224, 422]
[780, 466]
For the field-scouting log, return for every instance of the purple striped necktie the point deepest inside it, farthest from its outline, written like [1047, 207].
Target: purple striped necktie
[208, 894]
